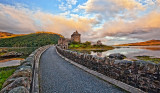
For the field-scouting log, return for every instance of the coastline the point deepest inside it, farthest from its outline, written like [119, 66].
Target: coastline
[6, 60]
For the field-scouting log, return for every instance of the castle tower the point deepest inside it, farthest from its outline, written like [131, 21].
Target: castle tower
[76, 37]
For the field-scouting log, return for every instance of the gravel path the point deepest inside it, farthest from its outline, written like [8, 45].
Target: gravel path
[59, 76]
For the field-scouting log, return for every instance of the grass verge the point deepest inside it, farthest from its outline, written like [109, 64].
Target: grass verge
[5, 72]
[149, 58]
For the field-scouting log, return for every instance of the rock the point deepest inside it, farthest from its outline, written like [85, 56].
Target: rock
[122, 61]
[24, 68]
[12, 54]
[8, 81]
[151, 67]
[27, 64]
[19, 89]
[25, 72]
[30, 59]
[141, 62]
[31, 55]
[117, 56]
[21, 81]
[22, 61]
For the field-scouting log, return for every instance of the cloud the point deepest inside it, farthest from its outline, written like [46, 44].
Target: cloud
[17, 20]
[62, 6]
[63, 25]
[71, 2]
[144, 27]
[68, 5]
[113, 21]
[110, 8]
[22, 20]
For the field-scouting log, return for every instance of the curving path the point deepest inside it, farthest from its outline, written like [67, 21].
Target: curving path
[59, 76]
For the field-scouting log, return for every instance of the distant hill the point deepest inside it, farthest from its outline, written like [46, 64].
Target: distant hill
[146, 43]
[31, 40]
[9, 35]
[5, 34]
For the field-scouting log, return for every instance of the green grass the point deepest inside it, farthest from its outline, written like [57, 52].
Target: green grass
[2, 54]
[88, 46]
[5, 73]
[149, 58]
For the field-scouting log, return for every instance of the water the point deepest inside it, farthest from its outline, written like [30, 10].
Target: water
[25, 50]
[131, 51]
[10, 63]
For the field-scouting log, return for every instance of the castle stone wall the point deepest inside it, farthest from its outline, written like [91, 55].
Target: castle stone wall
[139, 74]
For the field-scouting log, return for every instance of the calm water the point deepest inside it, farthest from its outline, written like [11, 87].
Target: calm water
[25, 50]
[10, 63]
[131, 51]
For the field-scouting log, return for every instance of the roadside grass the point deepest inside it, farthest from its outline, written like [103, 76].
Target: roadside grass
[149, 58]
[5, 72]
[2, 54]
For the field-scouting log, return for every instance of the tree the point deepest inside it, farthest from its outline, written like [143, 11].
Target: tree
[87, 43]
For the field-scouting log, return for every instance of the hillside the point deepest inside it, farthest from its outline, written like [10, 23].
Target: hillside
[5, 34]
[31, 40]
[9, 35]
[146, 43]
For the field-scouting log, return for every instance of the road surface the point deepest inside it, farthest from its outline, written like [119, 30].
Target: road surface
[59, 76]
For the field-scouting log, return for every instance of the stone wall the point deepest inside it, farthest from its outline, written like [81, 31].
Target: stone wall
[139, 74]
[25, 78]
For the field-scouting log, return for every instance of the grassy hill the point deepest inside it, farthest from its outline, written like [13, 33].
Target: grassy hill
[9, 35]
[146, 43]
[5, 34]
[31, 40]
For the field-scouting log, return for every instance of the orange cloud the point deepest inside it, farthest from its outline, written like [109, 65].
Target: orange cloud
[22, 20]
[64, 25]
[128, 4]
[110, 5]
[145, 24]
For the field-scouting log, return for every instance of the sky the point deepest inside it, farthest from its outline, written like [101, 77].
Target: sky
[111, 21]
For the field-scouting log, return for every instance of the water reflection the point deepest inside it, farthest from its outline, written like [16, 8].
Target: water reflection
[129, 51]
[99, 54]
[10, 63]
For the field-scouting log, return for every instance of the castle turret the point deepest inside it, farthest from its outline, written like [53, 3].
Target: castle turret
[76, 37]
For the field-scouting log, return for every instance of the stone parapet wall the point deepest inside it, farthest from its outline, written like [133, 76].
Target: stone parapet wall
[139, 74]
[25, 78]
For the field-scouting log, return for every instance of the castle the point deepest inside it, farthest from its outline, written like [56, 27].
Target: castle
[75, 37]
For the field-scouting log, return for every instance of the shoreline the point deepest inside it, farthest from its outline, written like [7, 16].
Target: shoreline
[6, 60]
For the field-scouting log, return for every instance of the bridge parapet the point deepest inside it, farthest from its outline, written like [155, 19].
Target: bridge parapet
[137, 74]
[26, 78]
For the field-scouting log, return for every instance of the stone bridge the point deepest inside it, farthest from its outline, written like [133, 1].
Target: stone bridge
[50, 69]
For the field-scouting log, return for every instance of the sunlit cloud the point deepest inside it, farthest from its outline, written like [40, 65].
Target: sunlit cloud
[26, 21]
[16, 20]
[111, 21]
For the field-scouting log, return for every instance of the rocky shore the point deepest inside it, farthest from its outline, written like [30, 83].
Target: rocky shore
[11, 54]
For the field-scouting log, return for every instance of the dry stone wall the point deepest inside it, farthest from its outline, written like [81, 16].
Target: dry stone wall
[23, 79]
[139, 74]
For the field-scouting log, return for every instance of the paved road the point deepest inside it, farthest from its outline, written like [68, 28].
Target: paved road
[59, 76]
